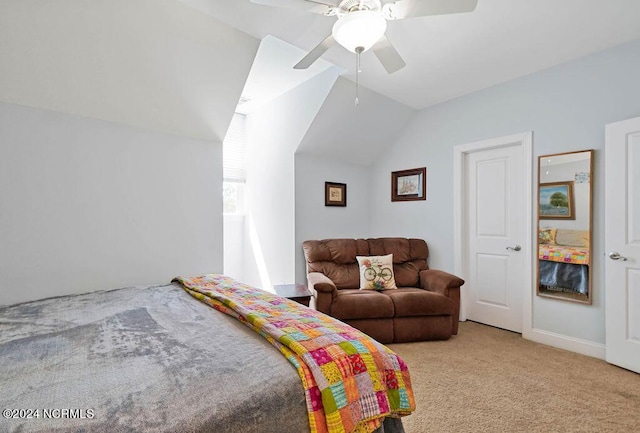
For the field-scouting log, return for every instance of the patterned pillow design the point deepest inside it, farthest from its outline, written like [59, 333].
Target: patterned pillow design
[376, 272]
[547, 236]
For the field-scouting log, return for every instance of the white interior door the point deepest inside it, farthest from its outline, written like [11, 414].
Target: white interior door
[495, 220]
[622, 243]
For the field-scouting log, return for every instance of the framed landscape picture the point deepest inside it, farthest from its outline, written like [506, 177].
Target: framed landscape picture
[556, 201]
[409, 185]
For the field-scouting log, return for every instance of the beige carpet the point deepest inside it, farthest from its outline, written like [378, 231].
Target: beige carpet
[489, 380]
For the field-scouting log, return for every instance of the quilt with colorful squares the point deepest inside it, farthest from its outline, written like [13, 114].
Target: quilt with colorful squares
[351, 381]
[562, 254]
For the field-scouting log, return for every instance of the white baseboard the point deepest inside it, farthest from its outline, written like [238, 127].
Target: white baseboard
[584, 347]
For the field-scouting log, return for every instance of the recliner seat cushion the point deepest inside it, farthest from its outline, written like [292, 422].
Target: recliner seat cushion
[409, 302]
[361, 304]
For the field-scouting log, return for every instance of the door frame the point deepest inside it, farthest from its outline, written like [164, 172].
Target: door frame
[460, 152]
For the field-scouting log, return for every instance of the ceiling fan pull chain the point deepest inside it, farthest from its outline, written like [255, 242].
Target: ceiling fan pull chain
[359, 51]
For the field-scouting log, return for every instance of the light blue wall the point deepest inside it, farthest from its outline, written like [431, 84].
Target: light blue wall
[314, 220]
[339, 146]
[566, 107]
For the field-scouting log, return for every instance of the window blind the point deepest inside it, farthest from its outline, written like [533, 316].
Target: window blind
[233, 150]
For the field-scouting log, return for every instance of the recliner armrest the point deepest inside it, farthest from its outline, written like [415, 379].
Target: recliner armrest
[320, 282]
[446, 284]
[324, 289]
[439, 281]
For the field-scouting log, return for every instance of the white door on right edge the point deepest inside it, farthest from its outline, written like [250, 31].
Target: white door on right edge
[622, 243]
[494, 202]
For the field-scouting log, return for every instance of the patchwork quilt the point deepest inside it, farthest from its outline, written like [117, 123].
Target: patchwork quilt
[351, 381]
[562, 254]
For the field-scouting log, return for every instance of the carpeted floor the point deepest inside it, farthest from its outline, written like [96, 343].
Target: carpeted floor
[489, 380]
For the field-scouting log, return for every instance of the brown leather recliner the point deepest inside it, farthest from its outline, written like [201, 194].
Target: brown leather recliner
[425, 306]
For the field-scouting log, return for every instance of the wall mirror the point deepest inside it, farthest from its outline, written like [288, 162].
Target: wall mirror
[564, 225]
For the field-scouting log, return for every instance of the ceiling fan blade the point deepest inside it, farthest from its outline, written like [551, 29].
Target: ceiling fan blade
[316, 53]
[321, 7]
[388, 55]
[401, 9]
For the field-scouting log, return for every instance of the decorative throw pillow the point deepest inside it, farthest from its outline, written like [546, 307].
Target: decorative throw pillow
[572, 238]
[547, 236]
[376, 272]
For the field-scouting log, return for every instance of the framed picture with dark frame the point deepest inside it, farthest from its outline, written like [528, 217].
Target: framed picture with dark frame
[408, 185]
[335, 194]
[556, 201]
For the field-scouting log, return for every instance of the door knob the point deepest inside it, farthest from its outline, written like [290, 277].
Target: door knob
[516, 248]
[615, 256]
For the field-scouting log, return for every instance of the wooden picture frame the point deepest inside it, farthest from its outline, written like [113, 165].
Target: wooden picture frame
[556, 201]
[335, 194]
[409, 185]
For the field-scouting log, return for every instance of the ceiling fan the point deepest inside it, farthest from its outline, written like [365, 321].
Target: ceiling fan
[361, 24]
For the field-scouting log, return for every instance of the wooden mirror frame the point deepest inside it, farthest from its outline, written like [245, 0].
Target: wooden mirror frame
[570, 253]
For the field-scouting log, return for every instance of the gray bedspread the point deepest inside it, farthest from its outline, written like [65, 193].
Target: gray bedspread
[143, 360]
[149, 359]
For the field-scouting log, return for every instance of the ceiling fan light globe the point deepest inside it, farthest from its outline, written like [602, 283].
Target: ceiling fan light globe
[359, 29]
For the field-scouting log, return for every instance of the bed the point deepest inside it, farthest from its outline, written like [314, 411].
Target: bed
[563, 257]
[143, 359]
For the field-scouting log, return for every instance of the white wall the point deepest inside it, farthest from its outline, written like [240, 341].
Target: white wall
[314, 220]
[113, 178]
[274, 132]
[87, 204]
[356, 134]
[234, 246]
[156, 64]
[566, 107]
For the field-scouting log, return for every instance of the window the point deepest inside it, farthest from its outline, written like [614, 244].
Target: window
[234, 166]
[233, 197]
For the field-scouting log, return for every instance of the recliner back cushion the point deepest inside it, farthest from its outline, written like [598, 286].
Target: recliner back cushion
[336, 258]
[409, 258]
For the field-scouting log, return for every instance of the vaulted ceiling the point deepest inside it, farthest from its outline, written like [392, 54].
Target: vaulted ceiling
[451, 55]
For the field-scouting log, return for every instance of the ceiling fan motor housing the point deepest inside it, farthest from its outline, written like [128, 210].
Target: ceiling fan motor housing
[346, 6]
